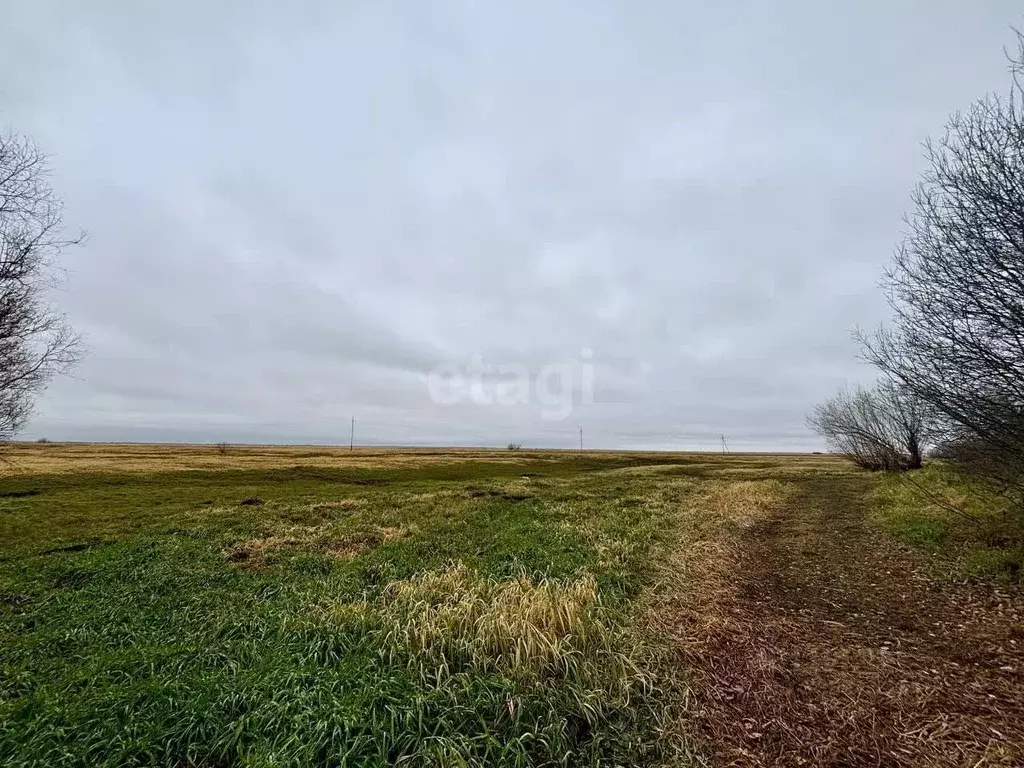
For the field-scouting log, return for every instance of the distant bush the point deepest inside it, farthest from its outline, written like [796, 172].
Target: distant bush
[515, 446]
[222, 448]
[884, 428]
[42, 440]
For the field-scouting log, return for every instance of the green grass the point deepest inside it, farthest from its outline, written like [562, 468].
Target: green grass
[367, 610]
[65, 507]
[437, 614]
[970, 529]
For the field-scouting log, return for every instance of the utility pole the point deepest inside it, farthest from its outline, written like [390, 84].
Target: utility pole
[581, 439]
[725, 445]
[352, 435]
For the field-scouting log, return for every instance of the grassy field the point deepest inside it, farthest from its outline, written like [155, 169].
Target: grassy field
[971, 529]
[175, 605]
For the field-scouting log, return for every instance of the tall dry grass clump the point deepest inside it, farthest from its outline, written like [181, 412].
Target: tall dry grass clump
[574, 677]
[451, 621]
[743, 502]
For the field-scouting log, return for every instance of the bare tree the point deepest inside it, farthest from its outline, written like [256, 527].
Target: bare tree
[956, 286]
[884, 428]
[35, 340]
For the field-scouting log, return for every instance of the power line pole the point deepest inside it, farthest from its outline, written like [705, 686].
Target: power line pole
[581, 439]
[352, 435]
[725, 445]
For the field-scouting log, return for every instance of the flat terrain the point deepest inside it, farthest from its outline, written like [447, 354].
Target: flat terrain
[295, 606]
[841, 647]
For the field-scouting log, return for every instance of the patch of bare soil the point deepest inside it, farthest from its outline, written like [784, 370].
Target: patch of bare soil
[253, 552]
[359, 543]
[835, 646]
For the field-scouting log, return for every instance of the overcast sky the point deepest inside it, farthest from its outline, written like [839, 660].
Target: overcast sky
[296, 212]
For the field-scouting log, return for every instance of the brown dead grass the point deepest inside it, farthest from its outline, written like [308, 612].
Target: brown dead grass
[47, 458]
[51, 458]
[697, 575]
[340, 504]
[743, 502]
[687, 604]
[253, 553]
[356, 544]
[817, 642]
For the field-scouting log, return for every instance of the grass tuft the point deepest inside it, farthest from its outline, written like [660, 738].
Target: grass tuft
[451, 619]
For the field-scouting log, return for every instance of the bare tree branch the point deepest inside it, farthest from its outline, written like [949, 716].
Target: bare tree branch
[884, 428]
[956, 288]
[35, 340]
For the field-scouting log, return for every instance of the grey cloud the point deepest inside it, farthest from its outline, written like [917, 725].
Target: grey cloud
[297, 211]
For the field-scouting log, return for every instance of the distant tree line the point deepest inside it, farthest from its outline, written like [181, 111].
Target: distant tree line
[952, 361]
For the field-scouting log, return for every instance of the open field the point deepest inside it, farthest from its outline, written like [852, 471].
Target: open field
[179, 605]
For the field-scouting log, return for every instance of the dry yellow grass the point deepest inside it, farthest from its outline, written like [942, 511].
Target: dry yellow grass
[696, 571]
[452, 620]
[46, 458]
[253, 552]
[336, 505]
[742, 501]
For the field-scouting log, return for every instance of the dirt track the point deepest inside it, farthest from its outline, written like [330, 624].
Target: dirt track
[838, 648]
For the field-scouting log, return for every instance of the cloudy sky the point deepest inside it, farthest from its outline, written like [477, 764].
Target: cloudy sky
[671, 212]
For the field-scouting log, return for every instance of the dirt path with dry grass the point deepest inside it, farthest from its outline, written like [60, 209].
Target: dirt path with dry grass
[837, 647]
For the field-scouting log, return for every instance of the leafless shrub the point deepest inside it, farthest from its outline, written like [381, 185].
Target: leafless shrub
[35, 340]
[957, 288]
[515, 446]
[884, 428]
[222, 448]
